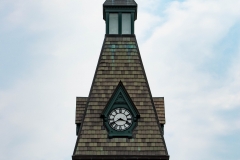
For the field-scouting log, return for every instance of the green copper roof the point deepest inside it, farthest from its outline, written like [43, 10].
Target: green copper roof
[120, 3]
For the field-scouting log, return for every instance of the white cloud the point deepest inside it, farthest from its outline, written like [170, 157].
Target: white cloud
[37, 111]
[178, 48]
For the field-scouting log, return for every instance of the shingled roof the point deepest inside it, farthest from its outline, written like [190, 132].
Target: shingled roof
[160, 108]
[120, 60]
[158, 102]
[80, 108]
[120, 3]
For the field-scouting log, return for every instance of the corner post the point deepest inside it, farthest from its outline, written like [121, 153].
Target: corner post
[107, 22]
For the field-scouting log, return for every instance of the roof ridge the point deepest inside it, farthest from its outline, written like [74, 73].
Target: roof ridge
[154, 108]
[80, 129]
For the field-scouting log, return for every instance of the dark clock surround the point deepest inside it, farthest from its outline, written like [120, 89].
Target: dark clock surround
[120, 99]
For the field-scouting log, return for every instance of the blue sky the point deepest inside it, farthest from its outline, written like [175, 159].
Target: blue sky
[49, 52]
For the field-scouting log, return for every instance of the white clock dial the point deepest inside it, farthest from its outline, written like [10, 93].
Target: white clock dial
[120, 119]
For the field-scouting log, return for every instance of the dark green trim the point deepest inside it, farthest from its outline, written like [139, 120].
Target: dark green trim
[114, 103]
[116, 35]
[120, 23]
[132, 23]
[123, 11]
[120, 157]
[107, 23]
[120, 9]
[77, 128]
[162, 125]
[123, 3]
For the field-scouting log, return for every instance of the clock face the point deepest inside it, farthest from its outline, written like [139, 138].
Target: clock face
[120, 119]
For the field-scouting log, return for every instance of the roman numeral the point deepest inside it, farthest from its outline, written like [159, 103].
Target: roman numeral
[120, 128]
[128, 123]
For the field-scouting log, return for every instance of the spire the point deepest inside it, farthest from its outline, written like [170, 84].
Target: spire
[120, 60]
[120, 119]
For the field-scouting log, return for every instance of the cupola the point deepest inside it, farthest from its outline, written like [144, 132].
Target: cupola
[120, 16]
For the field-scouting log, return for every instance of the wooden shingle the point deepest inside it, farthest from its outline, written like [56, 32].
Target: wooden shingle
[160, 107]
[158, 102]
[123, 65]
[80, 108]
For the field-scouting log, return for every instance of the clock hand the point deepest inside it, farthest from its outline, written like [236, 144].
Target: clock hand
[120, 119]
[117, 120]
[124, 120]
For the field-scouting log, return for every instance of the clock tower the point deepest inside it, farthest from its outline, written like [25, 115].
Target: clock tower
[120, 119]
